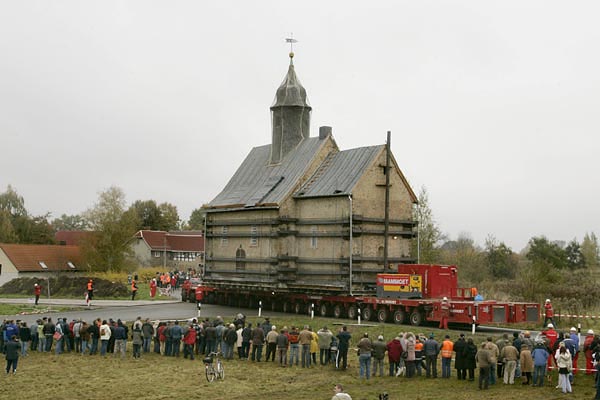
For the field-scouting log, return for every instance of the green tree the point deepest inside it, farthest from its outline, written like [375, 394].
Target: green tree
[70, 223]
[500, 259]
[17, 226]
[590, 250]
[162, 217]
[169, 217]
[7, 231]
[464, 253]
[12, 202]
[11, 206]
[425, 246]
[147, 213]
[34, 230]
[107, 248]
[574, 256]
[542, 251]
[196, 221]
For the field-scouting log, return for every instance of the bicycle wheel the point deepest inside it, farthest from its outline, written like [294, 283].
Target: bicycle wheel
[210, 373]
[220, 370]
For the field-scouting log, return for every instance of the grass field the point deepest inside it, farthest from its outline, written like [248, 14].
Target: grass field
[16, 309]
[71, 376]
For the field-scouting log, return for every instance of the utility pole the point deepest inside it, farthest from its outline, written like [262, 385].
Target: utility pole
[165, 252]
[386, 228]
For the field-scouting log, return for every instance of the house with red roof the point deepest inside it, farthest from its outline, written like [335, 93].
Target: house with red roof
[173, 250]
[36, 260]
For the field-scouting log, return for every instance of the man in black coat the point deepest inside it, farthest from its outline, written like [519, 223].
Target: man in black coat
[460, 362]
[344, 343]
[12, 354]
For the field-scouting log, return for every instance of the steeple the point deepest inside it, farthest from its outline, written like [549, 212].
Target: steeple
[290, 115]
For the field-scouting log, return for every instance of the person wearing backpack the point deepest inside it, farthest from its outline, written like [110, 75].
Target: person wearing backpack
[294, 338]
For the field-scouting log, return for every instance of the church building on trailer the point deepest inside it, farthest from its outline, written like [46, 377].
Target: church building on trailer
[301, 215]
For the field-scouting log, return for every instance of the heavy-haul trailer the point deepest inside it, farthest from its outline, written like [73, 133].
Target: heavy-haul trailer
[417, 293]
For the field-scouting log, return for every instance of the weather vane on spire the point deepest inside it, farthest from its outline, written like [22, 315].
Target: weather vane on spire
[291, 41]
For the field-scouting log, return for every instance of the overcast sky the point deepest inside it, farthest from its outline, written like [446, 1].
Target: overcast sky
[493, 106]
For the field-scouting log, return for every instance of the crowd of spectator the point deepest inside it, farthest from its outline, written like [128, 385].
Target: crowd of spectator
[408, 354]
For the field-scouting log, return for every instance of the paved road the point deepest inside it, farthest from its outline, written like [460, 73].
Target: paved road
[128, 310]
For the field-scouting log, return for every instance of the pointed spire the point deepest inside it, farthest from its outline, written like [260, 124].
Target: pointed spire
[290, 92]
[290, 115]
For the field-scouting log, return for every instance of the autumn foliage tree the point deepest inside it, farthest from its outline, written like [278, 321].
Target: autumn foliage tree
[107, 247]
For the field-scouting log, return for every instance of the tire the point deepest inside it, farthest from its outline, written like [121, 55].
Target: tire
[383, 314]
[220, 370]
[338, 311]
[416, 318]
[210, 299]
[323, 310]
[399, 316]
[352, 312]
[210, 374]
[368, 313]
[252, 302]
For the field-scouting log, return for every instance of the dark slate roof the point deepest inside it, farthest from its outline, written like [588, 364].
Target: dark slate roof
[339, 173]
[256, 182]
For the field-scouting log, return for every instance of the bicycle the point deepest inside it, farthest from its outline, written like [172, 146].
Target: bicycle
[213, 369]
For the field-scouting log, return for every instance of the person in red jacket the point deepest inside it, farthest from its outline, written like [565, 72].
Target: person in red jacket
[551, 335]
[394, 349]
[153, 287]
[548, 313]
[37, 291]
[189, 340]
[589, 351]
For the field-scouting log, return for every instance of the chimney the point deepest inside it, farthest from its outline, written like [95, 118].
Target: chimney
[324, 131]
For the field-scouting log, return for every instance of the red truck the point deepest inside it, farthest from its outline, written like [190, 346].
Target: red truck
[412, 295]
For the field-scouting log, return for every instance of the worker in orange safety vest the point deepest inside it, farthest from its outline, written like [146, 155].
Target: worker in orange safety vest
[446, 351]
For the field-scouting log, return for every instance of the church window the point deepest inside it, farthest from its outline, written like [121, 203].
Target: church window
[254, 236]
[224, 238]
